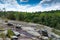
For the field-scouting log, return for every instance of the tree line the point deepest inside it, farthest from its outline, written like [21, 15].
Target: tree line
[49, 18]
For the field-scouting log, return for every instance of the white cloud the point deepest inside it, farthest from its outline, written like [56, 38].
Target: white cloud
[12, 5]
[53, 7]
[44, 1]
[23, 0]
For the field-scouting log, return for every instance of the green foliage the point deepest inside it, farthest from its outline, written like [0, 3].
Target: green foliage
[50, 38]
[10, 33]
[49, 18]
[2, 35]
[11, 16]
[56, 31]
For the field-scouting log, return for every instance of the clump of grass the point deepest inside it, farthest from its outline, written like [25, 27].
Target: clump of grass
[56, 32]
[10, 33]
[50, 38]
[3, 36]
[1, 29]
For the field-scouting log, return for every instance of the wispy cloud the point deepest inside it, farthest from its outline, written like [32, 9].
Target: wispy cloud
[12, 5]
[23, 0]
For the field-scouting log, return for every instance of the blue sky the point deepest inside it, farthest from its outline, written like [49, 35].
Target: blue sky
[29, 5]
[30, 2]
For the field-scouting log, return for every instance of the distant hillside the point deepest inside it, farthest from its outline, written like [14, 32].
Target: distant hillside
[49, 18]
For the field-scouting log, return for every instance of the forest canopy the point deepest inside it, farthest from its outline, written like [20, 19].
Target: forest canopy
[48, 18]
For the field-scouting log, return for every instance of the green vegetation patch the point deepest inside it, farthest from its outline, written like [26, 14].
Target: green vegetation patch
[56, 32]
[2, 34]
[1, 29]
[10, 33]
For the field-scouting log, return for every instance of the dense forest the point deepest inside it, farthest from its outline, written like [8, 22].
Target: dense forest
[49, 18]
